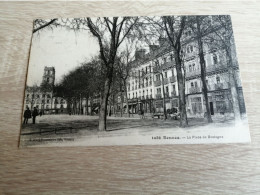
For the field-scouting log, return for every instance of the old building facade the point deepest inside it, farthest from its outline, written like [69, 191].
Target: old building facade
[154, 81]
[43, 97]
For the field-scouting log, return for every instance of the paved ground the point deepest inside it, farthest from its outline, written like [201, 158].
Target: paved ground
[78, 125]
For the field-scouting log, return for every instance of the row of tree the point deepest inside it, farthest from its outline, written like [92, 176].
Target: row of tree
[110, 33]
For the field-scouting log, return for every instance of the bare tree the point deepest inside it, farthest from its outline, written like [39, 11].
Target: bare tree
[39, 24]
[174, 27]
[200, 28]
[222, 37]
[118, 29]
[125, 65]
[158, 69]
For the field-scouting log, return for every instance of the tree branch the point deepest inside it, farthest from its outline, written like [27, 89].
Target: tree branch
[43, 26]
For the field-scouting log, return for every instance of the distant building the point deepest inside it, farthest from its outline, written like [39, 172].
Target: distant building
[43, 98]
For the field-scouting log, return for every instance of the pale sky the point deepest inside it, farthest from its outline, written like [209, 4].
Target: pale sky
[60, 48]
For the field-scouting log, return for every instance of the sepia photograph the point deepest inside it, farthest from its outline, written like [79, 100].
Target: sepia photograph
[133, 81]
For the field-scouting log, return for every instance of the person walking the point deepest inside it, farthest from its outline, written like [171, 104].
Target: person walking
[34, 114]
[27, 114]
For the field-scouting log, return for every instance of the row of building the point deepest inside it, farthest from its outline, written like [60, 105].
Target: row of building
[154, 79]
[156, 69]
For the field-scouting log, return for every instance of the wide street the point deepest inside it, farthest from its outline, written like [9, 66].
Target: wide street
[82, 127]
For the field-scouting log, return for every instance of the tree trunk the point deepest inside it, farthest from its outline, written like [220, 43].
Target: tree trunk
[127, 104]
[181, 89]
[203, 70]
[103, 106]
[91, 106]
[87, 112]
[164, 105]
[121, 101]
[233, 86]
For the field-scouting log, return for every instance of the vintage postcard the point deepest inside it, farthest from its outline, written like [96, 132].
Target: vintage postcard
[133, 81]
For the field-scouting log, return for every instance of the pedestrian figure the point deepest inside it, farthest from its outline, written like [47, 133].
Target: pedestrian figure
[34, 114]
[223, 111]
[142, 114]
[26, 115]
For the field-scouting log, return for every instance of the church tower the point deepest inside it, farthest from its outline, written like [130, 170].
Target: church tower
[49, 75]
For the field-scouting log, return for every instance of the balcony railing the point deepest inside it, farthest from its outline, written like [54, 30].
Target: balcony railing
[218, 86]
[166, 95]
[165, 81]
[172, 79]
[214, 68]
[195, 90]
[157, 83]
[209, 69]
[193, 73]
[173, 93]
[158, 96]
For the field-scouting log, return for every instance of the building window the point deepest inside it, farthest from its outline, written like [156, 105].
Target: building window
[218, 79]
[193, 67]
[190, 69]
[48, 79]
[192, 85]
[215, 58]
[167, 89]
[190, 49]
[171, 57]
[196, 85]
[158, 78]
[165, 74]
[188, 33]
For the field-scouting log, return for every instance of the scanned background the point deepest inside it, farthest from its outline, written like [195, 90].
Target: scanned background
[171, 169]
